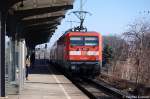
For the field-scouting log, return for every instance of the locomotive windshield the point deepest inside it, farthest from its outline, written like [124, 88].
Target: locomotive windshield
[91, 41]
[84, 41]
[77, 41]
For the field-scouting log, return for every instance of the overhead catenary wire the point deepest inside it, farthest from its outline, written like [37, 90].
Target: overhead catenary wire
[81, 15]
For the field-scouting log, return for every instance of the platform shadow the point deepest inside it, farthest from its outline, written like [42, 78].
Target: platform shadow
[43, 67]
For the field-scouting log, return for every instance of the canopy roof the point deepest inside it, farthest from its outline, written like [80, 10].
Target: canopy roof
[37, 20]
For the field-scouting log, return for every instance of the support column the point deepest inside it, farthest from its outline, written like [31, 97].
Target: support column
[21, 64]
[2, 55]
[12, 68]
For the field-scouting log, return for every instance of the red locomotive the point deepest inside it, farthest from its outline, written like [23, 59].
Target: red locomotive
[78, 52]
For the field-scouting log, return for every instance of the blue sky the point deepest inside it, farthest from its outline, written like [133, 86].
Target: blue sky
[108, 17]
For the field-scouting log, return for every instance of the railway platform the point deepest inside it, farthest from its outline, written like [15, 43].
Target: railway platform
[24, 24]
[47, 83]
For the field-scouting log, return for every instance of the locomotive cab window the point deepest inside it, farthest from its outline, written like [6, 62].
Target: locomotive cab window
[76, 41]
[91, 41]
[84, 41]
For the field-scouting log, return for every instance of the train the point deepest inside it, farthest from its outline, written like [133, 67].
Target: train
[78, 53]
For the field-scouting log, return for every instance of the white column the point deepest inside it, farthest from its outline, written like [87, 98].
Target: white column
[11, 68]
[21, 64]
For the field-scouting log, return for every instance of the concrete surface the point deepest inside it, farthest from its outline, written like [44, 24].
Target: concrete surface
[52, 85]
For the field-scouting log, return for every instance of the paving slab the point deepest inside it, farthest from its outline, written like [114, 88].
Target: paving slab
[52, 85]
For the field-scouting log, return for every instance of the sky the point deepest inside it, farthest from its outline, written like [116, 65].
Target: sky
[109, 17]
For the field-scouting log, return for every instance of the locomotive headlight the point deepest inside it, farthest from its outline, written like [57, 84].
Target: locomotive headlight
[75, 53]
[92, 53]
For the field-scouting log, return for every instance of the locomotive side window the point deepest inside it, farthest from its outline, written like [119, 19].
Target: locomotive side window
[91, 41]
[76, 41]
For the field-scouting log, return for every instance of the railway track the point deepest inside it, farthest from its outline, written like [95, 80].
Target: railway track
[99, 90]
[96, 89]
[91, 90]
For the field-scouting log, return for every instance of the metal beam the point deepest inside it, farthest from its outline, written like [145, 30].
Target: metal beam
[12, 2]
[40, 20]
[2, 55]
[39, 11]
[41, 28]
[43, 25]
[46, 31]
[40, 23]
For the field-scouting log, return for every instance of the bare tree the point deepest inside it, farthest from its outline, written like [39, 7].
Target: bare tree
[131, 53]
[138, 38]
[119, 47]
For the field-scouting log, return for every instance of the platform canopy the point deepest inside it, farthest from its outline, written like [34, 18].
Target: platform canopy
[35, 20]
